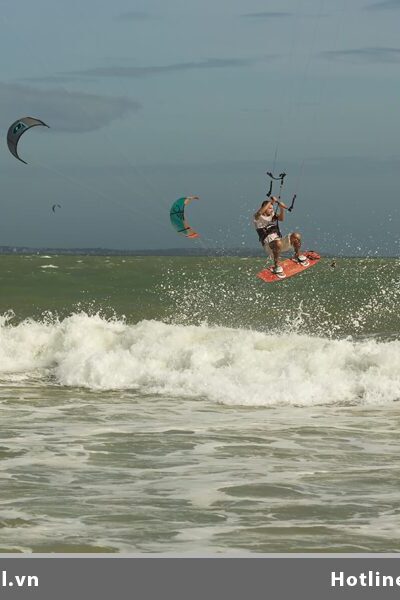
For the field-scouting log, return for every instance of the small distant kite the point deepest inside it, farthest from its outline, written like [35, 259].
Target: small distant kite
[177, 216]
[53, 208]
[17, 129]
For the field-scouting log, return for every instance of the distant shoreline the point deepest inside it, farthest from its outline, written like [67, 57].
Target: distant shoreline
[188, 252]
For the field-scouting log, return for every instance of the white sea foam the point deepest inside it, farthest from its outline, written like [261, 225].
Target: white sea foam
[230, 366]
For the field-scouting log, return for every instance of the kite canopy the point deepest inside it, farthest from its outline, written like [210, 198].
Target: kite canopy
[177, 216]
[53, 208]
[17, 129]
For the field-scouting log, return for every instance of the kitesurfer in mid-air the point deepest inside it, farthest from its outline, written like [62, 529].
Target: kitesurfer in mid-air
[266, 222]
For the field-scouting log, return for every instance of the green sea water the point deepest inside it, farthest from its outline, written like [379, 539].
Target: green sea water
[173, 404]
[358, 297]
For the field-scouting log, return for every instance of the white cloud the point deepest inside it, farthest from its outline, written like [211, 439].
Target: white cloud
[132, 72]
[385, 5]
[62, 110]
[367, 55]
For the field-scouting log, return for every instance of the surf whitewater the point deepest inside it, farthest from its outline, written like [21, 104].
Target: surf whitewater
[224, 365]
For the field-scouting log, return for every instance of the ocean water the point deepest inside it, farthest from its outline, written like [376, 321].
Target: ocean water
[169, 404]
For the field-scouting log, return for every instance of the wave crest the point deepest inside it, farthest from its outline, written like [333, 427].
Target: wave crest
[230, 366]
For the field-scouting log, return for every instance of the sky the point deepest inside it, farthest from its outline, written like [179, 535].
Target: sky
[148, 101]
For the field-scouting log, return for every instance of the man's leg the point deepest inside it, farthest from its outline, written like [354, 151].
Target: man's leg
[276, 250]
[295, 240]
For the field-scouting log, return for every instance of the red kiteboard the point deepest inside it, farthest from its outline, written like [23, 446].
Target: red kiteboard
[290, 267]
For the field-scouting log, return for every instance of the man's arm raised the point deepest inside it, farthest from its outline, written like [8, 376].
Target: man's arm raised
[281, 215]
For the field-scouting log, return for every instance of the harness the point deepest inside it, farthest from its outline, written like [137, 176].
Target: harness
[272, 227]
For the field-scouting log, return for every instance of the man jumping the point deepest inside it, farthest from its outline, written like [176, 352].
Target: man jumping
[266, 222]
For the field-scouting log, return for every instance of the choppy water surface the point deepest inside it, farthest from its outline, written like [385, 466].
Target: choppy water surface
[182, 405]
